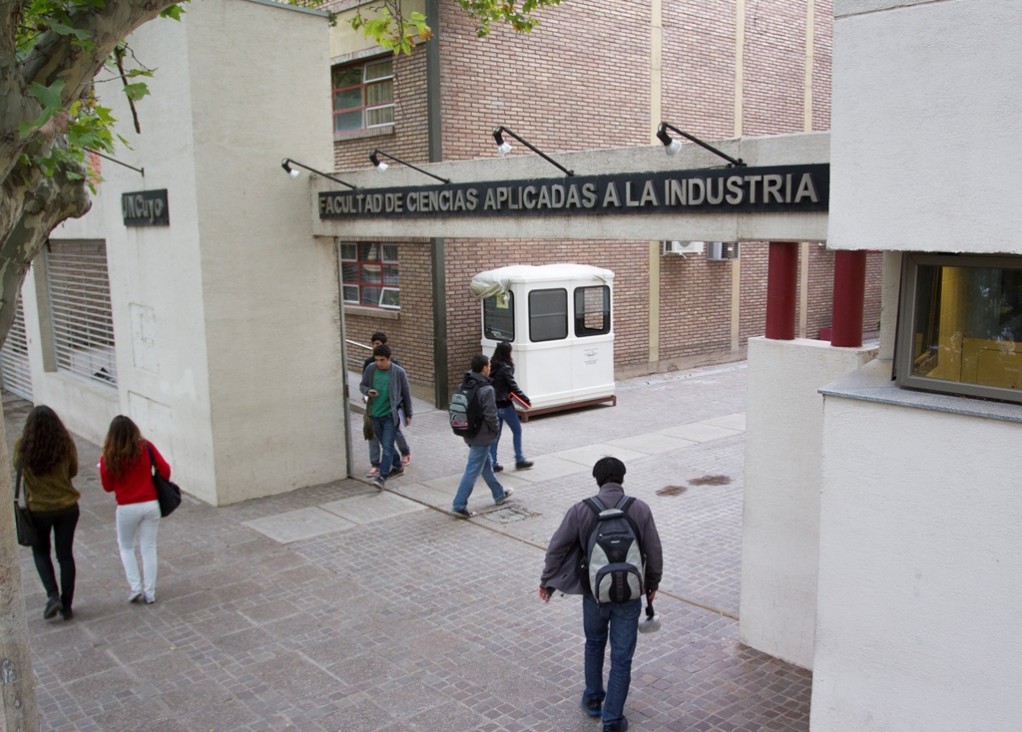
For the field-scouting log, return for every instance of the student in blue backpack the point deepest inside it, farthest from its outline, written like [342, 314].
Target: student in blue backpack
[609, 552]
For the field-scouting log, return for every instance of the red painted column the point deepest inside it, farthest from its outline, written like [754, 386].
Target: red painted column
[782, 284]
[849, 297]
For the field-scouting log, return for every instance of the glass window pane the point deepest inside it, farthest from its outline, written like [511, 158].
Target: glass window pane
[499, 317]
[347, 122]
[548, 315]
[390, 276]
[389, 252]
[350, 293]
[349, 252]
[381, 93]
[379, 116]
[379, 69]
[346, 76]
[349, 272]
[371, 296]
[370, 252]
[371, 274]
[592, 310]
[966, 323]
[348, 99]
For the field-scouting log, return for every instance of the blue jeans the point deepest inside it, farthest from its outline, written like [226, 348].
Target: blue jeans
[623, 621]
[374, 446]
[478, 462]
[509, 415]
[384, 429]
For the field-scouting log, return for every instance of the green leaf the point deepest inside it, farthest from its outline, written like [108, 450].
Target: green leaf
[48, 96]
[136, 91]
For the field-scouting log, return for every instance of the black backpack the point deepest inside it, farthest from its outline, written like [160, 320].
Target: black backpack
[463, 410]
[615, 566]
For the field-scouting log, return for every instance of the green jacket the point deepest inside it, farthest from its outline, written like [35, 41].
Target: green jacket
[53, 491]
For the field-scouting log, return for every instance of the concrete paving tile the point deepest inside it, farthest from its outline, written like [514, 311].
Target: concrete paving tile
[651, 443]
[728, 421]
[366, 509]
[304, 523]
[547, 467]
[700, 432]
[587, 455]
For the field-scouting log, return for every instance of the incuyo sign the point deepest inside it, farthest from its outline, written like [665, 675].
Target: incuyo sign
[788, 188]
[145, 208]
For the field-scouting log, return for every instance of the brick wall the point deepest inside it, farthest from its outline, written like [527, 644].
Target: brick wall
[582, 81]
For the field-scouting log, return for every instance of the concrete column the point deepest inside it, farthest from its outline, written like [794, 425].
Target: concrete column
[849, 297]
[782, 285]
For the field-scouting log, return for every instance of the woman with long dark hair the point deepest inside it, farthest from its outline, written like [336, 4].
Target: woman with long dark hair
[502, 374]
[48, 460]
[125, 469]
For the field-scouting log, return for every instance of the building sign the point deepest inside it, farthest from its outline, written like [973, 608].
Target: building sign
[145, 208]
[787, 188]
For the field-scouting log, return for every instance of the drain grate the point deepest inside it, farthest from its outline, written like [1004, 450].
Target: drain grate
[508, 514]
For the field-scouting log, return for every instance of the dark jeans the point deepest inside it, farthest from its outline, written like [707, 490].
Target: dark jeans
[622, 619]
[63, 524]
[385, 429]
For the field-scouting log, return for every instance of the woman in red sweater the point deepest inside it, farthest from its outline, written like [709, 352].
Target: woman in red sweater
[126, 471]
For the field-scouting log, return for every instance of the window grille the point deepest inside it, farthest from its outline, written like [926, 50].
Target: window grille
[80, 314]
[370, 275]
[14, 366]
[363, 95]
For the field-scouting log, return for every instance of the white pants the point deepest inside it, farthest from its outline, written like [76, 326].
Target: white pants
[139, 523]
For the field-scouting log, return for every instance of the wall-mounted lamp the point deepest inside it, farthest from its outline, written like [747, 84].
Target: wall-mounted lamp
[288, 162]
[140, 171]
[673, 146]
[504, 147]
[374, 158]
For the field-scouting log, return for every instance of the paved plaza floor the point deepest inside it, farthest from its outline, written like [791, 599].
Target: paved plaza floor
[340, 607]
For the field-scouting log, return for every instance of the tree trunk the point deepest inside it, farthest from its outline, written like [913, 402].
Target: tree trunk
[17, 685]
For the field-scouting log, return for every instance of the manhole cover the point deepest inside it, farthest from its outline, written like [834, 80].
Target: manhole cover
[508, 514]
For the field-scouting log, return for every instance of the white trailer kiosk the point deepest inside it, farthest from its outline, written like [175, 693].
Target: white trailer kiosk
[557, 318]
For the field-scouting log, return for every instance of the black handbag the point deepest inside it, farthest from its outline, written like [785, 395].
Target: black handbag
[22, 516]
[167, 492]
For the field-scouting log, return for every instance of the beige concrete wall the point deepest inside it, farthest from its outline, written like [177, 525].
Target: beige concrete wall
[917, 615]
[927, 117]
[783, 479]
[240, 384]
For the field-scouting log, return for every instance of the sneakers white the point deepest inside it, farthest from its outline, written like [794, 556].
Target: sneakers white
[508, 492]
[135, 596]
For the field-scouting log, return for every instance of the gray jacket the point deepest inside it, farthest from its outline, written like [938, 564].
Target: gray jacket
[566, 551]
[398, 388]
[487, 433]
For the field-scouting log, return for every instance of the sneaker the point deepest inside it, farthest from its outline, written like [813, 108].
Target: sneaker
[592, 707]
[67, 613]
[508, 492]
[497, 467]
[135, 596]
[150, 599]
[405, 459]
[53, 606]
[462, 513]
[373, 471]
[394, 472]
[379, 481]
[621, 726]
[523, 465]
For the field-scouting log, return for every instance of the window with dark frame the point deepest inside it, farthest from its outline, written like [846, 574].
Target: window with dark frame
[363, 95]
[958, 325]
[592, 310]
[499, 316]
[370, 274]
[548, 315]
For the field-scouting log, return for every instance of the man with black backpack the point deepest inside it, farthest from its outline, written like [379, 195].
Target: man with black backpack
[473, 414]
[606, 549]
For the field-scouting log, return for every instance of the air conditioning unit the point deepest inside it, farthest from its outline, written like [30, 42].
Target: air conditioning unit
[682, 247]
[718, 251]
